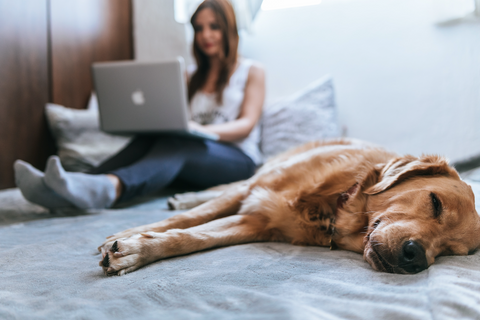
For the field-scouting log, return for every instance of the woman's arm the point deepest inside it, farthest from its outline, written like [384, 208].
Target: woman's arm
[251, 110]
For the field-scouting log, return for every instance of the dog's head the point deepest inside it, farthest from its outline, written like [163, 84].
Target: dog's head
[418, 209]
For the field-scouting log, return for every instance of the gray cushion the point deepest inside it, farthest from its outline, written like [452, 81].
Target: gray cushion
[305, 116]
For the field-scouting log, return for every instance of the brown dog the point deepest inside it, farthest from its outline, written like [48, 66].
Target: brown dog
[400, 212]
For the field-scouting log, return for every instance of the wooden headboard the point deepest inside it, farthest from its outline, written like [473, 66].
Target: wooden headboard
[47, 47]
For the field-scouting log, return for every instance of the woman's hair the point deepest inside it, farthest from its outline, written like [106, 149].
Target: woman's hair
[227, 23]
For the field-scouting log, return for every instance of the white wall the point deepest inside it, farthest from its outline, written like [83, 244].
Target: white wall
[157, 36]
[401, 81]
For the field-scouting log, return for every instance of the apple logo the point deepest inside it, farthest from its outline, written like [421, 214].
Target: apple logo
[138, 98]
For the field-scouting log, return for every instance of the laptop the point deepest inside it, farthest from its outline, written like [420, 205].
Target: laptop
[143, 98]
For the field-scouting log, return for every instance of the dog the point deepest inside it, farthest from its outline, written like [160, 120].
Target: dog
[400, 212]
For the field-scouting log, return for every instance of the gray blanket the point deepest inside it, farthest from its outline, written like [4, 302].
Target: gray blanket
[49, 269]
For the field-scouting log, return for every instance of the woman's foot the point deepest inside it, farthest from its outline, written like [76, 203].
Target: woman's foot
[85, 191]
[30, 182]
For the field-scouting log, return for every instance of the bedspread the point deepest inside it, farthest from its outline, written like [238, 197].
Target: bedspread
[49, 269]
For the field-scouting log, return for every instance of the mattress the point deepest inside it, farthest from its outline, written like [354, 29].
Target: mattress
[49, 269]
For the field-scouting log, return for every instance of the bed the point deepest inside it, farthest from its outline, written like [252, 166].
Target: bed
[49, 269]
[49, 262]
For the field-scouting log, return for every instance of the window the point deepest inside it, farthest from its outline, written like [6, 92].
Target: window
[282, 4]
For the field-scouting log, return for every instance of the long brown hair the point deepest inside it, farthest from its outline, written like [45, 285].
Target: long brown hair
[225, 15]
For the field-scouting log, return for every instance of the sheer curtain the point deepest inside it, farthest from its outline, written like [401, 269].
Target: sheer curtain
[245, 11]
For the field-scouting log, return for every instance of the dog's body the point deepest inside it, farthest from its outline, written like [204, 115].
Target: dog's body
[400, 212]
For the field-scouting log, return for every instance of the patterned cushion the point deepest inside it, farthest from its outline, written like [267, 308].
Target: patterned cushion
[81, 144]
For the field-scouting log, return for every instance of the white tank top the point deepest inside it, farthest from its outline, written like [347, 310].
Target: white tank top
[204, 108]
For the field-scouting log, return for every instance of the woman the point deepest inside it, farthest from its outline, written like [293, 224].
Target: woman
[226, 95]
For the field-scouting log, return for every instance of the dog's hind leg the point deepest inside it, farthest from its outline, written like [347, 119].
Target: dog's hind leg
[227, 204]
[189, 200]
[127, 255]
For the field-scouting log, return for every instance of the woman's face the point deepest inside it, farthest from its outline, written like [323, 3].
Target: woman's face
[208, 35]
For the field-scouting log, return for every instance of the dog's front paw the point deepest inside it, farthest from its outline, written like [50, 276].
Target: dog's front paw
[127, 254]
[122, 236]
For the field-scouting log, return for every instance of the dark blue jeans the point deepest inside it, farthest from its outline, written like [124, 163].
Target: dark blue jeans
[150, 163]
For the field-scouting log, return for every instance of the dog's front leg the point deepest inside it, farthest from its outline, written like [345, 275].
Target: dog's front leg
[127, 255]
[225, 205]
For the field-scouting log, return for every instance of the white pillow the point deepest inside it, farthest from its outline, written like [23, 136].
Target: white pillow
[305, 116]
[81, 144]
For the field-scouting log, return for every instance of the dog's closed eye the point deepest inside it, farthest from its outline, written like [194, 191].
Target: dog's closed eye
[436, 204]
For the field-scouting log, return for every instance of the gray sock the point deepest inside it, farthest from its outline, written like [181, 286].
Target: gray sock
[86, 191]
[30, 182]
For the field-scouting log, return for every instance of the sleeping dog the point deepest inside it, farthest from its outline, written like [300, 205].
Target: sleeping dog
[400, 212]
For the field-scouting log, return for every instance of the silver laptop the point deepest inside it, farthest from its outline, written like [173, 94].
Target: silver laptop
[143, 98]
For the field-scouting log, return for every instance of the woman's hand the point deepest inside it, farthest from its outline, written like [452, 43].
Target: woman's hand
[251, 109]
[192, 125]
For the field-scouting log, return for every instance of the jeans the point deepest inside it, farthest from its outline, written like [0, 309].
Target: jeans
[150, 163]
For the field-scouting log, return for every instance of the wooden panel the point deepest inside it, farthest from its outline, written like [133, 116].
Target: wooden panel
[46, 49]
[84, 31]
[23, 85]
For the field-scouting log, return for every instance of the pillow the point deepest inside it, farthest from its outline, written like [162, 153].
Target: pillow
[81, 144]
[305, 116]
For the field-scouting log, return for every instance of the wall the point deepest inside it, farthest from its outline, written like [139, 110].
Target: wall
[82, 32]
[402, 81]
[157, 36]
[24, 87]
[46, 50]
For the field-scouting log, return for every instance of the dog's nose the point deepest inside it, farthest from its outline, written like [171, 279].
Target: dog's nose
[412, 257]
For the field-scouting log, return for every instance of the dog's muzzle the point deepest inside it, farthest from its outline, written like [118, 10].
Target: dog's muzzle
[408, 259]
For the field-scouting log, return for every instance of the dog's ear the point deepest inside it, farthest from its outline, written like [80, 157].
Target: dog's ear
[401, 168]
[317, 202]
